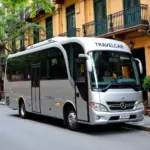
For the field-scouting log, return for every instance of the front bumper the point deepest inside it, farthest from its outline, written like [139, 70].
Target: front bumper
[97, 118]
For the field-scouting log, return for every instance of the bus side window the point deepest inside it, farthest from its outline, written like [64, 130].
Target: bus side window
[9, 70]
[80, 72]
[53, 65]
[73, 50]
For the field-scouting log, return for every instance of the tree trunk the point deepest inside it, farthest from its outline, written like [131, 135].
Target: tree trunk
[14, 45]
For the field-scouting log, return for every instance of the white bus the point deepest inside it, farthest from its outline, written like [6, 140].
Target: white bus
[80, 80]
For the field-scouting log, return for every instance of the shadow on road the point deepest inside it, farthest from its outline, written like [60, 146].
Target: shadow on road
[43, 120]
[106, 129]
[85, 129]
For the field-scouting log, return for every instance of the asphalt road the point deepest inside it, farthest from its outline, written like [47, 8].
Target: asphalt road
[43, 133]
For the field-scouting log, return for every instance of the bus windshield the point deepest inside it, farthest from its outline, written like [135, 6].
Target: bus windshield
[113, 67]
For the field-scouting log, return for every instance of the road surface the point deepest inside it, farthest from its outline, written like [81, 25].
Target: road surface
[43, 133]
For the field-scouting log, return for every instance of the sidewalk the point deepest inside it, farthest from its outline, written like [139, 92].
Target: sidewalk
[141, 125]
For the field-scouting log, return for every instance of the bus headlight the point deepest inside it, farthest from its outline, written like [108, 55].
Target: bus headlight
[98, 107]
[139, 106]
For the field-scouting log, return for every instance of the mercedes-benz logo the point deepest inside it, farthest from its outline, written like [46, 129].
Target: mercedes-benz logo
[123, 105]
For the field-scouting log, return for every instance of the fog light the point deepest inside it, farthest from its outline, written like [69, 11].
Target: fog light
[98, 117]
[142, 114]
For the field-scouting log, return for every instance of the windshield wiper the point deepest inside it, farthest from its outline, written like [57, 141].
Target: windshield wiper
[115, 85]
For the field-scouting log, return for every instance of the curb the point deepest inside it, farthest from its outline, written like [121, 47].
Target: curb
[2, 103]
[138, 127]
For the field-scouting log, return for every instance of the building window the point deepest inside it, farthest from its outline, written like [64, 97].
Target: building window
[49, 28]
[71, 21]
[36, 35]
[131, 3]
[132, 13]
[100, 12]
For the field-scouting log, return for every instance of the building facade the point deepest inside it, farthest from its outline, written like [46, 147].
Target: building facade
[124, 20]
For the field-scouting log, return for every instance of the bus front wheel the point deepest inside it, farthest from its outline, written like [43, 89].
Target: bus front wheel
[71, 120]
[22, 110]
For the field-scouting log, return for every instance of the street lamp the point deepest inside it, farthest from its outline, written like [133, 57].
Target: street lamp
[131, 45]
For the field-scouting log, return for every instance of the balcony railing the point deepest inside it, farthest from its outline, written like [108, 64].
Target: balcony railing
[28, 11]
[71, 33]
[127, 18]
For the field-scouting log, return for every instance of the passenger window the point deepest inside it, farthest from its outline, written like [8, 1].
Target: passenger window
[80, 71]
[81, 77]
[19, 68]
[53, 64]
[73, 50]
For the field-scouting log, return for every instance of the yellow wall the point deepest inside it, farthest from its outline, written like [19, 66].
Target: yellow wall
[89, 10]
[114, 6]
[59, 18]
[143, 42]
[84, 13]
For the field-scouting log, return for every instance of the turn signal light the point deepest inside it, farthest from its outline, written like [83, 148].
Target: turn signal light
[59, 104]
[91, 104]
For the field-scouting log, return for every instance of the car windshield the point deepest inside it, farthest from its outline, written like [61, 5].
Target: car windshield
[112, 66]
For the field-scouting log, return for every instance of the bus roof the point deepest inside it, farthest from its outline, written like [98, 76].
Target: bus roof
[88, 43]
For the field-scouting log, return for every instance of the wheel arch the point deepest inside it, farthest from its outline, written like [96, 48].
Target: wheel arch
[67, 106]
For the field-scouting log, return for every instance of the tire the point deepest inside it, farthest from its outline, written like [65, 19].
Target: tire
[71, 120]
[22, 110]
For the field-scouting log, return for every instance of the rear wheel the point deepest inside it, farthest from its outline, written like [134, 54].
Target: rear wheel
[71, 120]
[22, 110]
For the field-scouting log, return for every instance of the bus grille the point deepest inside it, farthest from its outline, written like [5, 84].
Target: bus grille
[120, 106]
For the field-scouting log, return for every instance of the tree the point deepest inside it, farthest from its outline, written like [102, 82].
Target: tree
[46, 5]
[12, 28]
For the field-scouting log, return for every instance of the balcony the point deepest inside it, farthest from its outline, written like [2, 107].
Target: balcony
[28, 10]
[71, 33]
[128, 19]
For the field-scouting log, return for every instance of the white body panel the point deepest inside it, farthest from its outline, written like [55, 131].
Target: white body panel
[53, 92]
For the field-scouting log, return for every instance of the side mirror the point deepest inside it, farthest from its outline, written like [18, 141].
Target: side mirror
[88, 60]
[140, 65]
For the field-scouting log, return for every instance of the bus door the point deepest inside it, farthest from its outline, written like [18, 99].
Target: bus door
[35, 88]
[81, 90]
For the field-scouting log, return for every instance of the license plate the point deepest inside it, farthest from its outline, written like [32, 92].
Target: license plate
[124, 116]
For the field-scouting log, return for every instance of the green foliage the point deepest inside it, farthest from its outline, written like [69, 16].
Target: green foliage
[12, 28]
[46, 5]
[146, 84]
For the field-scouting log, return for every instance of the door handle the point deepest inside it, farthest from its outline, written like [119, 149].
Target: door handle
[77, 95]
